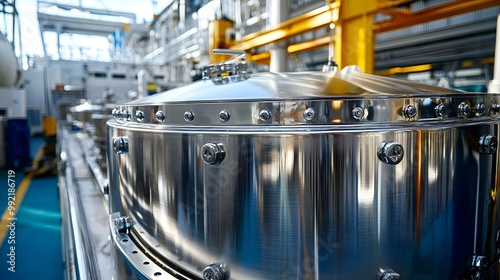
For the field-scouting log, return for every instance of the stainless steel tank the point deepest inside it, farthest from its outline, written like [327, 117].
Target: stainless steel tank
[337, 175]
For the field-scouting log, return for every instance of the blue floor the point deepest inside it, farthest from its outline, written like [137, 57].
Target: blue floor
[38, 252]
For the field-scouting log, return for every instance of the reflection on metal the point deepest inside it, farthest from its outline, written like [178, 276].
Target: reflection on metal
[299, 199]
[409, 69]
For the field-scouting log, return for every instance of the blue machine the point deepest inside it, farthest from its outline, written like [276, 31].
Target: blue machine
[17, 137]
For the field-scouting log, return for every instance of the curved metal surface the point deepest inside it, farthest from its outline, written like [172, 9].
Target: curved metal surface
[336, 175]
[310, 203]
[295, 86]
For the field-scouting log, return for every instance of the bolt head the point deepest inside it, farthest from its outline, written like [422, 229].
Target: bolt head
[495, 107]
[215, 271]
[409, 111]
[264, 115]
[309, 114]
[224, 115]
[479, 109]
[488, 144]
[463, 110]
[358, 113]
[440, 110]
[212, 153]
[390, 152]
[188, 116]
[160, 116]
[139, 115]
[120, 145]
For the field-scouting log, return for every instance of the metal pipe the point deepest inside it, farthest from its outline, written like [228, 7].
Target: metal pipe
[13, 22]
[143, 77]
[278, 12]
[494, 85]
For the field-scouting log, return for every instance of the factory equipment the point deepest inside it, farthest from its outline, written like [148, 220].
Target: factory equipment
[312, 175]
[14, 151]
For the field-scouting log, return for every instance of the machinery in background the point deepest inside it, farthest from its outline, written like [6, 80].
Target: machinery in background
[14, 124]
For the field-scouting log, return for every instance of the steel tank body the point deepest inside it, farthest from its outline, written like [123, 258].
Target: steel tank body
[306, 176]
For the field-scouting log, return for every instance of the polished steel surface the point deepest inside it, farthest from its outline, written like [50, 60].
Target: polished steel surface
[341, 193]
[309, 203]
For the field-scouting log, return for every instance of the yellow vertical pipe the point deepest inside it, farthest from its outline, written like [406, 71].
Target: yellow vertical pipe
[354, 39]
[217, 39]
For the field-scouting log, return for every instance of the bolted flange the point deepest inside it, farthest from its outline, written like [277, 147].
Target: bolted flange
[213, 153]
[120, 145]
[488, 144]
[390, 152]
[216, 271]
[309, 114]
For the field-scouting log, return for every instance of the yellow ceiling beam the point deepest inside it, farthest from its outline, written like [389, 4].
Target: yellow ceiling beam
[401, 70]
[309, 21]
[403, 19]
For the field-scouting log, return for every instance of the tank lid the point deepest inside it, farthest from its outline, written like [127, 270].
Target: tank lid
[228, 95]
[293, 86]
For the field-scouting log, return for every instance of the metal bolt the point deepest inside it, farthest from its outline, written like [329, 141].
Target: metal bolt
[139, 115]
[440, 110]
[495, 107]
[224, 115]
[488, 144]
[358, 113]
[410, 111]
[479, 109]
[463, 110]
[120, 145]
[188, 116]
[212, 153]
[160, 116]
[390, 152]
[105, 188]
[215, 271]
[127, 115]
[388, 274]
[123, 224]
[309, 114]
[265, 115]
